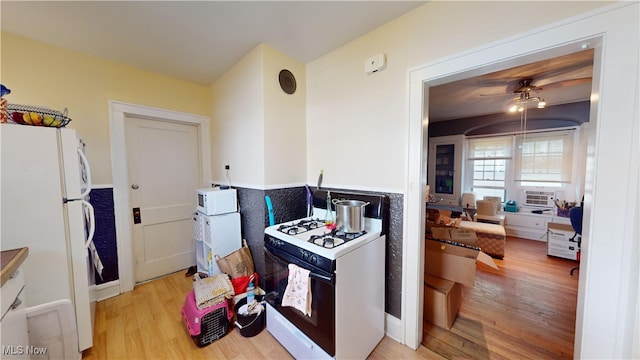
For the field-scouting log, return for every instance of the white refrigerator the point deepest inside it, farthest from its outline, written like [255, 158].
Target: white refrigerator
[45, 182]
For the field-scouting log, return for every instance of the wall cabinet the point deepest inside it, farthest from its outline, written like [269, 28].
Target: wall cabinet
[444, 170]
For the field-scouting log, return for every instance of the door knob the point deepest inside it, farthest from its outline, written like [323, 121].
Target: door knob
[135, 186]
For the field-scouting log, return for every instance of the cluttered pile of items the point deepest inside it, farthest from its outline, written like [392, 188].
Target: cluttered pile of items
[220, 300]
[225, 287]
[451, 254]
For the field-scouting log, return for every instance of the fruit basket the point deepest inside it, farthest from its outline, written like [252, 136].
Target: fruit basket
[36, 116]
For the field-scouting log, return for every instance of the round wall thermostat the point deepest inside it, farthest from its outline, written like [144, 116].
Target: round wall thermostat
[287, 81]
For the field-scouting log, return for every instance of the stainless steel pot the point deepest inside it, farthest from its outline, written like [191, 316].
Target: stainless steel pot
[350, 215]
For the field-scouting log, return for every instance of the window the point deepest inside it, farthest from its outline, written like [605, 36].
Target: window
[489, 159]
[544, 159]
[505, 165]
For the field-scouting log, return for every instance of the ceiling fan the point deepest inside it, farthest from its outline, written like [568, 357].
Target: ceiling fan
[524, 96]
[530, 85]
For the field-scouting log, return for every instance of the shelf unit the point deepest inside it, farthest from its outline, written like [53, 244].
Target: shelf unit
[198, 237]
[445, 167]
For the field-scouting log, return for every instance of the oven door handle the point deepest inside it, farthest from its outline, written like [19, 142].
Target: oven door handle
[276, 254]
[320, 277]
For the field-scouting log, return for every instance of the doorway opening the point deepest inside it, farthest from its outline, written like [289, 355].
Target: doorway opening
[472, 64]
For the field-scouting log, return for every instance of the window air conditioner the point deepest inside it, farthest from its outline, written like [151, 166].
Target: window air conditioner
[539, 198]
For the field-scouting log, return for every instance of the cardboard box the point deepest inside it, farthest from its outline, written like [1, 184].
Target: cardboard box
[449, 261]
[442, 300]
[486, 207]
[452, 233]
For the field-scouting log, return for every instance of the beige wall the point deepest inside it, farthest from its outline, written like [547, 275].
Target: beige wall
[285, 122]
[237, 122]
[39, 74]
[366, 115]
[256, 127]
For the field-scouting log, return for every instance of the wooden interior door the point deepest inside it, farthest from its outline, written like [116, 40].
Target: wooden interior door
[163, 168]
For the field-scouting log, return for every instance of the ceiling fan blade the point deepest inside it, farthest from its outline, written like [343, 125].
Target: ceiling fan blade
[495, 94]
[565, 83]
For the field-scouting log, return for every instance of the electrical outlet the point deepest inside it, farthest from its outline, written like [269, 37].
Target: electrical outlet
[226, 167]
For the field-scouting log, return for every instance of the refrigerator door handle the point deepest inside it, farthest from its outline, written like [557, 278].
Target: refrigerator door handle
[87, 172]
[92, 222]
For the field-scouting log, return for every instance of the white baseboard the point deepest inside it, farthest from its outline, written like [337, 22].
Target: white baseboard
[393, 328]
[107, 290]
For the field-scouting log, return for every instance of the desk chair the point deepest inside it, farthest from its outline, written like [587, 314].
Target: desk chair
[575, 215]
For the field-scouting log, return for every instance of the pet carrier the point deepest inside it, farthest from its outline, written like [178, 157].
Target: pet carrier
[207, 325]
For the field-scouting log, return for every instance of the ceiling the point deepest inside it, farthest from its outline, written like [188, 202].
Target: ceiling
[197, 41]
[561, 80]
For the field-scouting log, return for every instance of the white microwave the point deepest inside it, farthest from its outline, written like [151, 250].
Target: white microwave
[215, 201]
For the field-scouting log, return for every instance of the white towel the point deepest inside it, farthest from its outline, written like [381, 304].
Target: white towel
[97, 263]
[298, 291]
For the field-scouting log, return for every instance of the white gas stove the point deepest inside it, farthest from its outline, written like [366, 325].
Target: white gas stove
[346, 282]
[312, 234]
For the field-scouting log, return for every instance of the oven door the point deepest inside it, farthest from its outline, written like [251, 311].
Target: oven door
[320, 326]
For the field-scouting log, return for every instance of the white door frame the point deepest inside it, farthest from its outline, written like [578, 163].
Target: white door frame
[118, 111]
[592, 27]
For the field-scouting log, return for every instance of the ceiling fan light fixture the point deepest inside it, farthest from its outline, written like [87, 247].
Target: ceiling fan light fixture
[525, 100]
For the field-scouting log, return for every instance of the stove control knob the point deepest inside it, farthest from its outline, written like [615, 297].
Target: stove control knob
[274, 242]
[313, 259]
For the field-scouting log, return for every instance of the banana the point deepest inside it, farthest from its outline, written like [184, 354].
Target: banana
[32, 118]
[36, 119]
[26, 118]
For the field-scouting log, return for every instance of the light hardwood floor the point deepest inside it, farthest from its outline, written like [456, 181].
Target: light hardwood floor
[146, 324]
[526, 310]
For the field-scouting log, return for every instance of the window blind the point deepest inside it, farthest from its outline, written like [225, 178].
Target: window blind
[490, 148]
[544, 157]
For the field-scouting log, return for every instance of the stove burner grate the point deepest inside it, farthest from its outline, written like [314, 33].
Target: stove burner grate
[301, 226]
[334, 238]
[326, 241]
